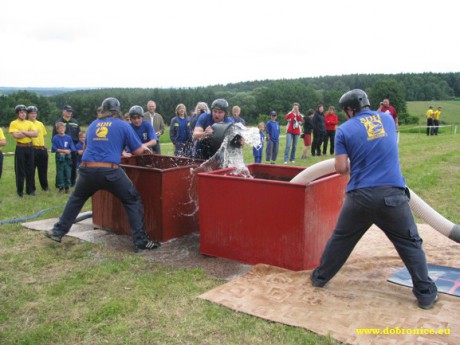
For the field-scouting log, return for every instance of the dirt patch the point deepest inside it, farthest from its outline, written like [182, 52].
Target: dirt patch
[181, 252]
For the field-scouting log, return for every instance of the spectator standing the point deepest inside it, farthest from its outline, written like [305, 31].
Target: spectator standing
[258, 151]
[273, 136]
[307, 129]
[157, 122]
[80, 147]
[436, 116]
[376, 194]
[319, 130]
[200, 108]
[100, 169]
[429, 121]
[236, 112]
[386, 107]
[179, 132]
[39, 148]
[72, 128]
[331, 120]
[23, 131]
[143, 129]
[2, 143]
[62, 145]
[294, 120]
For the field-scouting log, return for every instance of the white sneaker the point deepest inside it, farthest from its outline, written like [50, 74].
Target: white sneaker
[293, 162]
[285, 162]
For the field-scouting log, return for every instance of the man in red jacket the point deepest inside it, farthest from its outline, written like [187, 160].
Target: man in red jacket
[385, 107]
[331, 120]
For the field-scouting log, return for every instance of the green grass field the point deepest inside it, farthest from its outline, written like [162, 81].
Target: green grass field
[83, 293]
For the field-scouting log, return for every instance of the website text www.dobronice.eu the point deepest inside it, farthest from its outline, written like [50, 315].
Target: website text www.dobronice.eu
[402, 331]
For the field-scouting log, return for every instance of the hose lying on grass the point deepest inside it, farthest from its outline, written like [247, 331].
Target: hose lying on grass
[39, 213]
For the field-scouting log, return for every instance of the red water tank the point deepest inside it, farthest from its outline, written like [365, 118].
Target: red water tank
[267, 219]
[163, 183]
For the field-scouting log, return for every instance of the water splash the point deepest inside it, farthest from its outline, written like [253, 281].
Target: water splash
[229, 155]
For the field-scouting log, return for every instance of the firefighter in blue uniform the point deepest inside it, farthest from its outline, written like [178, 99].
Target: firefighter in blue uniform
[376, 194]
[105, 139]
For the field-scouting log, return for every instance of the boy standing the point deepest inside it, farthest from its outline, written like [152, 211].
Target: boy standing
[63, 146]
[80, 145]
[257, 151]
[273, 135]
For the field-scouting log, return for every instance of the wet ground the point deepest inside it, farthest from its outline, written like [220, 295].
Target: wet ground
[182, 252]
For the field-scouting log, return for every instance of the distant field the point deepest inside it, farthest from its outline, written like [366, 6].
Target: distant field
[450, 110]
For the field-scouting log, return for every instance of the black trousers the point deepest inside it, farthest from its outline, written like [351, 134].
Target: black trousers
[330, 136]
[73, 176]
[318, 138]
[24, 169]
[115, 181]
[41, 165]
[1, 163]
[429, 129]
[388, 208]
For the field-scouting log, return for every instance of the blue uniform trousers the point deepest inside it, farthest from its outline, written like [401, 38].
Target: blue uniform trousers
[115, 181]
[388, 208]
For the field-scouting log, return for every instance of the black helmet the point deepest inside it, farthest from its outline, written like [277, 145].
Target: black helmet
[19, 108]
[136, 110]
[355, 100]
[32, 109]
[111, 104]
[220, 104]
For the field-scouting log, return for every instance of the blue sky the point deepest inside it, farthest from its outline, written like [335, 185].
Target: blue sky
[183, 43]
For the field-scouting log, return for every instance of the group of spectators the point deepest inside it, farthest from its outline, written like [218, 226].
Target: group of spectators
[315, 123]
[432, 120]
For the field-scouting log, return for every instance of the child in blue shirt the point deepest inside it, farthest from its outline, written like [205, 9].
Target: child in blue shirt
[258, 151]
[62, 145]
[79, 146]
[273, 134]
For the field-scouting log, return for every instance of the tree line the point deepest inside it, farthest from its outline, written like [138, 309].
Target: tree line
[256, 98]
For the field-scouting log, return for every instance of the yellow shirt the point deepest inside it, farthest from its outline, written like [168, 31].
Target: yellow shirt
[18, 126]
[429, 113]
[39, 140]
[2, 137]
[436, 115]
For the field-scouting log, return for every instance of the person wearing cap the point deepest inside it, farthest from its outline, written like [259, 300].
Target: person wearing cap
[436, 115]
[203, 129]
[157, 122]
[366, 149]
[39, 148]
[23, 131]
[143, 129]
[2, 143]
[72, 128]
[100, 170]
[273, 135]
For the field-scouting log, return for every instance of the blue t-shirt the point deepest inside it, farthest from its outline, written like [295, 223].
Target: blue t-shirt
[62, 142]
[273, 130]
[145, 131]
[206, 120]
[369, 139]
[179, 129]
[106, 138]
[79, 147]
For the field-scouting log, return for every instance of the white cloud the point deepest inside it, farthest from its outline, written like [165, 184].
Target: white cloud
[197, 43]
